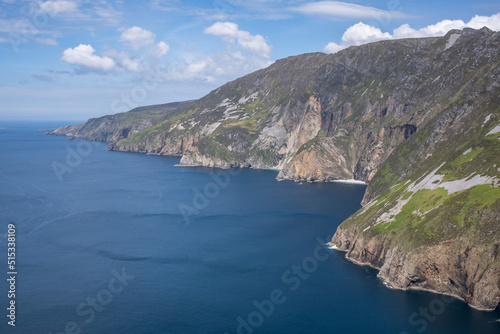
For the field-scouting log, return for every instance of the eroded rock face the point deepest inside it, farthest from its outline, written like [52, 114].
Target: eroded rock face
[318, 165]
[450, 267]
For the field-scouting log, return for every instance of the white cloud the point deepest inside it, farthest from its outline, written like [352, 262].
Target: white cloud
[159, 50]
[343, 10]
[198, 66]
[146, 52]
[220, 67]
[358, 34]
[227, 29]
[442, 27]
[83, 55]
[492, 22]
[230, 32]
[59, 6]
[438, 29]
[244, 53]
[361, 33]
[198, 69]
[333, 47]
[124, 60]
[137, 37]
[132, 65]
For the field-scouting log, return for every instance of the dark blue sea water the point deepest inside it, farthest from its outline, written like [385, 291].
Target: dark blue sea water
[112, 242]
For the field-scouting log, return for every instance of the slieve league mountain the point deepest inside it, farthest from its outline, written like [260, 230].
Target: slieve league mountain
[418, 120]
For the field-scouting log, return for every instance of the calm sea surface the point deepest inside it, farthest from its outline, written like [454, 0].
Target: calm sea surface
[112, 242]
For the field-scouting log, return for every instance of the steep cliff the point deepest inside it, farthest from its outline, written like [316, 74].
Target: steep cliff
[432, 214]
[436, 225]
[417, 119]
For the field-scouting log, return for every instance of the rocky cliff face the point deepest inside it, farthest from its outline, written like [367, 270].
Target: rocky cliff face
[451, 267]
[431, 218]
[418, 119]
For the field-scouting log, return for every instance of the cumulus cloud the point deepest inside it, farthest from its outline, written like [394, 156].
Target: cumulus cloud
[442, 27]
[230, 32]
[137, 37]
[59, 6]
[358, 34]
[83, 55]
[343, 10]
[244, 53]
[492, 22]
[159, 50]
[145, 52]
[333, 47]
[361, 33]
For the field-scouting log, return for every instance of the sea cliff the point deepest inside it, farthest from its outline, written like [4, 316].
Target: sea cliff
[416, 119]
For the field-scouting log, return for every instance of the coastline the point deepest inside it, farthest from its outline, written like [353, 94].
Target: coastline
[330, 245]
[388, 284]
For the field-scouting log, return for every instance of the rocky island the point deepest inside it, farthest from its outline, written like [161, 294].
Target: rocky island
[416, 119]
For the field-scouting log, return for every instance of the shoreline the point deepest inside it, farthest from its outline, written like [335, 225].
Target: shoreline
[273, 169]
[389, 286]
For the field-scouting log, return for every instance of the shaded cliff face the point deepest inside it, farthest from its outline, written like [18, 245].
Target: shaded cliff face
[431, 218]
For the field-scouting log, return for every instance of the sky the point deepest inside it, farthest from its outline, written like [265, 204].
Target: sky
[77, 59]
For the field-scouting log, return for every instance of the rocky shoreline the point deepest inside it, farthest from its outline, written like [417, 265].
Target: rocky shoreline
[450, 268]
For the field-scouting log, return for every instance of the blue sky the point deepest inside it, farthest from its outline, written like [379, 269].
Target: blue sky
[76, 59]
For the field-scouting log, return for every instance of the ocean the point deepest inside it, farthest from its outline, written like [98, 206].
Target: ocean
[114, 242]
